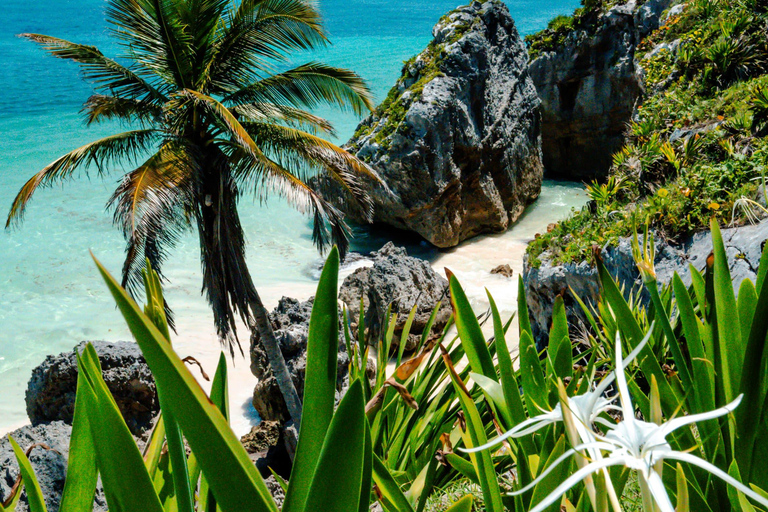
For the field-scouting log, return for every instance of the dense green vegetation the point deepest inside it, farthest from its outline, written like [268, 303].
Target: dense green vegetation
[697, 148]
[584, 19]
[420, 432]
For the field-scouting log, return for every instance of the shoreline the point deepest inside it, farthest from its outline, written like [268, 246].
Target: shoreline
[471, 262]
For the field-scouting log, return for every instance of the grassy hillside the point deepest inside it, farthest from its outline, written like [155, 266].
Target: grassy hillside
[697, 147]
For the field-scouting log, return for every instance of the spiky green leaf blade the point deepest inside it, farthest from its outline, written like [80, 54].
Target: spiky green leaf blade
[475, 436]
[366, 483]
[524, 321]
[559, 353]
[82, 473]
[342, 456]
[117, 455]
[320, 384]
[217, 449]
[532, 377]
[463, 505]
[463, 466]
[754, 385]
[471, 335]
[729, 345]
[34, 493]
[555, 478]
[388, 487]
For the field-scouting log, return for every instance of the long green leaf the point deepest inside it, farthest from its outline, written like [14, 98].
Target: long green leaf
[219, 452]
[555, 478]
[534, 384]
[729, 346]
[475, 436]
[320, 384]
[524, 321]
[389, 487]
[342, 456]
[118, 457]
[471, 335]
[82, 473]
[367, 480]
[463, 505]
[34, 493]
[560, 352]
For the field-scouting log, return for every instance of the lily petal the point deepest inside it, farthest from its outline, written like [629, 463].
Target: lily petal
[558, 461]
[574, 479]
[676, 423]
[711, 468]
[659, 492]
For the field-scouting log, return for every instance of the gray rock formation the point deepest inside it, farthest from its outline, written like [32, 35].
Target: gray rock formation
[589, 89]
[457, 140]
[51, 391]
[402, 281]
[50, 465]
[743, 245]
[290, 321]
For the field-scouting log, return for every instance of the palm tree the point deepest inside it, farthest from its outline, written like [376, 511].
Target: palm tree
[210, 120]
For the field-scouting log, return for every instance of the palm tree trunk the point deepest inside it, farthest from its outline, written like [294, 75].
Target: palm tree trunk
[226, 279]
[276, 360]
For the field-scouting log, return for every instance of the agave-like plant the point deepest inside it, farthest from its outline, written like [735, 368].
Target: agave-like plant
[211, 122]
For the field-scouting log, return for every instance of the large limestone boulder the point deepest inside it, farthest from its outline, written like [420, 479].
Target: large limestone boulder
[743, 245]
[401, 281]
[589, 89]
[51, 391]
[457, 141]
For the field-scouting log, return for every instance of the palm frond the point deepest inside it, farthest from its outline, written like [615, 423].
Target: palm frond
[295, 117]
[328, 222]
[123, 147]
[150, 207]
[100, 108]
[154, 35]
[260, 31]
[308, 86]
[298, 150]
[104, 72]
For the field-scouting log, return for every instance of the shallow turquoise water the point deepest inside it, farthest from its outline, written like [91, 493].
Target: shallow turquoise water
[50, 294]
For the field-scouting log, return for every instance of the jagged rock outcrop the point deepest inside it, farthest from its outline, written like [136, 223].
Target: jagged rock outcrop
[50, 464]
[457, 140]
[743, 247]
[402, 281]
[51, 391]
[590, 87]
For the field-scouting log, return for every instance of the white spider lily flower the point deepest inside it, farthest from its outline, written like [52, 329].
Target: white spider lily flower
[640, 445]
[585, 408]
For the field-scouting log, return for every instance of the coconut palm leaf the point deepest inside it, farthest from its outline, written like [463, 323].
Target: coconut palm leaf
[100, 107]
[308, 86]
[101, 153]
[104, 72]
[290, 116]
[260, 31]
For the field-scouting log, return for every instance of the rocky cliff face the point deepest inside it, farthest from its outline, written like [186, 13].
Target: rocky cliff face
[743, 245]
[457, 140]
[589, 89]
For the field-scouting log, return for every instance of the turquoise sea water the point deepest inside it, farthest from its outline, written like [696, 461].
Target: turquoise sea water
[50, 295]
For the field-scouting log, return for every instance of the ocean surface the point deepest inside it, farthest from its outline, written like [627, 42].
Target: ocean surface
[51, 296]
